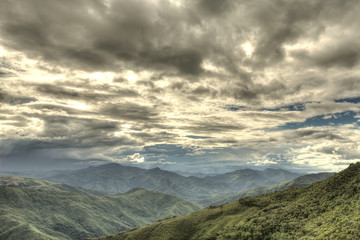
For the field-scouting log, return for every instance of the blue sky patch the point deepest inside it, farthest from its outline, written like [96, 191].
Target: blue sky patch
[234, 108]
[341, 118]
[291, 107]
[350, 100]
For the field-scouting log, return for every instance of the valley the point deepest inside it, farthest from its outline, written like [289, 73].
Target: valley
[327, 209]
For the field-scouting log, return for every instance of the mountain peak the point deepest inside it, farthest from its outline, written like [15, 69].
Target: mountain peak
[275, 170]
[155, 169]
[245, 170]
[346, 176]
[110, 165]
[328, 208]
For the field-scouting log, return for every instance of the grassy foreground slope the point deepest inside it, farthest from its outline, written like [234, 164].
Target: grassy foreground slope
[34, 209]
[329, 209]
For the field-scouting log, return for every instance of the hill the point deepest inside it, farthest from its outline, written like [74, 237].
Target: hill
[118, 179]
[34, 209]
[328, 209]
[297, 182]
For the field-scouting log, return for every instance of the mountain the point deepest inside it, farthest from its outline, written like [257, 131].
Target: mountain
[197, 174]
[328, 209]
[246, 179]
[35, 209]
[20, 182]
[33, 174]
[118, 179]
[297, 182]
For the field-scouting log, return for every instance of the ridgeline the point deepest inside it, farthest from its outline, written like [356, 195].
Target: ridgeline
[324, 210]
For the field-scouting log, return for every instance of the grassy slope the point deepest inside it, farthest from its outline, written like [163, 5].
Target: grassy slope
[34, 209]
[324, 210]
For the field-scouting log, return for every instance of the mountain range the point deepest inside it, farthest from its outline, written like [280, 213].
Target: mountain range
[36, 209]
[328, 209]
[297, 182]
[41, 209]
[116, 178]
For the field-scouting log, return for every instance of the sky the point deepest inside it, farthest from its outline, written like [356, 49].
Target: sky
[184, 85]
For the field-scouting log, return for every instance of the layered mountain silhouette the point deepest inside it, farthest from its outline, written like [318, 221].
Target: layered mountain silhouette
[328, 209]
[116, 178]
[35, 209]
[297, 182]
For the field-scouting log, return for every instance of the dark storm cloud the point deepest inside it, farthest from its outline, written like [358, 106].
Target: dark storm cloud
[61, 92]
[160, 136]
[172, 66]
[312, 134]
[214, 126]
[254, 93]
[51, 30]
[283, 22]
[344, 54]
[86, 94]
[90, 35]
[13, 120]
[77, 132]
[129, 111]
[347, 84]
[8, 98]
[215, 7]
[45, 107]
[8, 67]
[92, 130]
[23, 147]
[93, 36]
[26, 154]
[347, 55]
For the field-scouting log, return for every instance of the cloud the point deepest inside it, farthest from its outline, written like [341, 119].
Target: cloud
[136, 157]
[88, 79]
[342, 56]
[91, 35]
[213, 7]
[129, 111]
[8, 98]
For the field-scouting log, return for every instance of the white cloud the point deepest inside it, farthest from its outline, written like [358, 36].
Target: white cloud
[127, 81]
[136, 157]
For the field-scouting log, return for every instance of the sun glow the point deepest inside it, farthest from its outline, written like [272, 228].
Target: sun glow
[131, 76]
[248, 48]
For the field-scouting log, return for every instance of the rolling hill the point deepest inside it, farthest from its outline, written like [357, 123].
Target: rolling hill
[328, 209]
[297, 182]
[34, 209]
[116, 178]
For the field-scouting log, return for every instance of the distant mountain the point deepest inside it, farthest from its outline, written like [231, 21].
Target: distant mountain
[328, 209]
[246, 179]
[197, 174]
[20, 182]
[118, 179]
[33, 174]
[34, 209]
[297, 182]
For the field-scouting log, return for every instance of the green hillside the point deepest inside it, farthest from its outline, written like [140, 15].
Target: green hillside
[34, 209]
[328, 209]
[118, 179]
